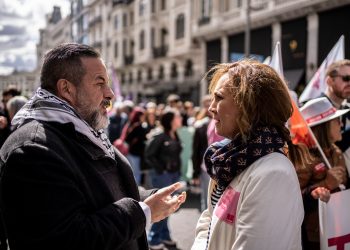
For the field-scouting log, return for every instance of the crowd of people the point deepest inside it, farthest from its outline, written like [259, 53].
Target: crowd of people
[94, 178]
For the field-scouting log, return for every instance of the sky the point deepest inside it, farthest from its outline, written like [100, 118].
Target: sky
[20, 21]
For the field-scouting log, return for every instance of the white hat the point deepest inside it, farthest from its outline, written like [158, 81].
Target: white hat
[320, 110]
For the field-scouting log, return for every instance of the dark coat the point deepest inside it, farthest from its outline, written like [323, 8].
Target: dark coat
[162, 153]
[60, 191]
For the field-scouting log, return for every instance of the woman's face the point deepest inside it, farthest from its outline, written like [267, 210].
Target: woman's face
[335, 130]
[224, 110]
[176, 123]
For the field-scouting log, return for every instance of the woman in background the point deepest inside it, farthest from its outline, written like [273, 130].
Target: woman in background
[325, 122]
[163, 155]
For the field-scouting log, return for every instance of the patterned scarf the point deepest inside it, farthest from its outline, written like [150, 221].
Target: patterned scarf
[45, 106]
[226, 159]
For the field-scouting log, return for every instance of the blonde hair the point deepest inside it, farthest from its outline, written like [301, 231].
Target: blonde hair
[262, 98]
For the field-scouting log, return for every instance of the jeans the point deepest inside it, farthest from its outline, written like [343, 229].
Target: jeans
[160, 230]
[135, 162]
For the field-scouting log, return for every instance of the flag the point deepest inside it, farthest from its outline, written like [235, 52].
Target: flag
[276, 60]
[115, 84]
[334, 220]
[317, 85]
[300, 131]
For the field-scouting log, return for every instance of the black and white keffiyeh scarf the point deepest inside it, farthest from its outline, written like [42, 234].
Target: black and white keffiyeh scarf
[45, 106]
[226, 159]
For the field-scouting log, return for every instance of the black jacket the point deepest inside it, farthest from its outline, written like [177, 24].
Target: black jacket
[162, 153]
[58, 192]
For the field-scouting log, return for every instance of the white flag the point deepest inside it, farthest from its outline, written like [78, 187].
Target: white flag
[317, 84]
[276, 60]
[334, 219]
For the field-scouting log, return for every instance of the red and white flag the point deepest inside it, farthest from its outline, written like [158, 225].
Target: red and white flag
[317, 84]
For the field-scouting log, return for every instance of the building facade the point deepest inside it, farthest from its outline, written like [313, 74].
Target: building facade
[157, 47]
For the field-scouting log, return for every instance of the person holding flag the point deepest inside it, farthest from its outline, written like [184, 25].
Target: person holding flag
[325, 124]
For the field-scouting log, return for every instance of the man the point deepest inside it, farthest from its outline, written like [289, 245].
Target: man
[63, 185]
[338, 91]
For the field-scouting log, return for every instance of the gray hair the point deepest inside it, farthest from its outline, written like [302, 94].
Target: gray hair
[15, 104]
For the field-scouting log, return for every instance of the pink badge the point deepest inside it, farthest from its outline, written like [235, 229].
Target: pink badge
[227, 205]
[320, 167]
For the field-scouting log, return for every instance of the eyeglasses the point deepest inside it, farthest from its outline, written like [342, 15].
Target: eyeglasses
[345, 78]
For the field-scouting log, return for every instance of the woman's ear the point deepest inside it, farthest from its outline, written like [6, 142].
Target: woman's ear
[66, 91]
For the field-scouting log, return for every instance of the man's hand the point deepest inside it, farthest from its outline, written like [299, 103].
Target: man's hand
[162, 204]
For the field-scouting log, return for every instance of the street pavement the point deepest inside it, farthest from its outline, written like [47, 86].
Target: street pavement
[182, 224]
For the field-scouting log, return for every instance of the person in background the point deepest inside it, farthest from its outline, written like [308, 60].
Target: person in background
[5, 126]
[325, 122]
[136, 139]
[163, 154]
[338, 92]
[199, 146]
[63, 185]
[15, 104]
[254, 199]
[116, 122]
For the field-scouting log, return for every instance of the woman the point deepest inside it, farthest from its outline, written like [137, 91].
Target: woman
[325, 123]
[163, 154]
[136, 138]
[254, 199]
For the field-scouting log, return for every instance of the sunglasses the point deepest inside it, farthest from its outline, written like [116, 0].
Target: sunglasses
[345, 78]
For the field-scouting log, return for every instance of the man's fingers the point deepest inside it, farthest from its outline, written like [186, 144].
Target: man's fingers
[169, 189]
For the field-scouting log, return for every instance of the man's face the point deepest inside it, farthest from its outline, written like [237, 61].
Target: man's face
[94, 94]
[338, 86]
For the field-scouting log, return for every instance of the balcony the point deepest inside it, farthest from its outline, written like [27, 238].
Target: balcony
[95, 21]
[160, 51]
[118, 2]
[204, 20]
[128, 59]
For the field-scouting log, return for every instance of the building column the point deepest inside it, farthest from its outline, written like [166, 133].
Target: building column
[312, 45]
[224, 48]
[276, 34]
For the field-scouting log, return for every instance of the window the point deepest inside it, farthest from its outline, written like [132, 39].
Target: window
[188, 68]
[115, 49]
[153, 38]
[149, 74]
[142, 7]
[131, 18]
[153, 6]
[206, 8]
[173, 72]
[124, 47]
[180, 26]
[116, 22]
[139, 75]
[130, 77]
[161, 72]
[163, 4]
[142, 39]
[125, 20]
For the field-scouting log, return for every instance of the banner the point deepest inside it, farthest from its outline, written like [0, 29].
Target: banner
[317, 84]
[334, 219]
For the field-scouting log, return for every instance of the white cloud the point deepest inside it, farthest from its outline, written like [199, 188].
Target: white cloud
[20, 21]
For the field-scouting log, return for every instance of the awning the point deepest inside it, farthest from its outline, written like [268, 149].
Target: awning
[293, 77]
